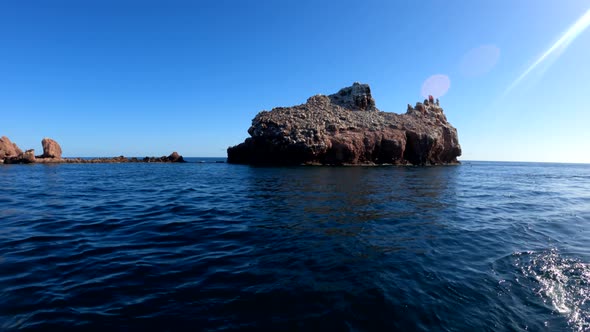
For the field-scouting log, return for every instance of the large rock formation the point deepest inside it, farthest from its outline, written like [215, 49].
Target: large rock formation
[51, 149]
[347, 128]
[8, 149]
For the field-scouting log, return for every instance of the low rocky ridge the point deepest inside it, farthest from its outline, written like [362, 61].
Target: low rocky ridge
[52, 153]
[346, 128]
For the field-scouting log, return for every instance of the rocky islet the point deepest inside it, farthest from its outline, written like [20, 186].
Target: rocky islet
[10, 153]
[346, 128]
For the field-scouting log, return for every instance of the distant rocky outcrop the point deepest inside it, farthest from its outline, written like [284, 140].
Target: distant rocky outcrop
[120, 159]
[346, 128]
[175, 157]
[52, 153]
[8, 149]
[51, 149]
[27, 157]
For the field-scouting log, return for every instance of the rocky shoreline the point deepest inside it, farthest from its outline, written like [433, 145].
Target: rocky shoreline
[10, 153]
[346, 128]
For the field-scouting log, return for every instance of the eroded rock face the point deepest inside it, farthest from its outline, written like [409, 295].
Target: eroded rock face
[347, 128]
[27, 157]
[8, 149]
[356, 97]
[51, 149]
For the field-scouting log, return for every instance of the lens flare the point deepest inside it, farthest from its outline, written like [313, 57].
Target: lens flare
[436, 86]
[559, 46]
[479, 60]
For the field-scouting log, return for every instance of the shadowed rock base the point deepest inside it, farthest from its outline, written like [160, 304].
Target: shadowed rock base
[347, 129]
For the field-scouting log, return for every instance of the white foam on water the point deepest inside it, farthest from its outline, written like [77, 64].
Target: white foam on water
[563, 282]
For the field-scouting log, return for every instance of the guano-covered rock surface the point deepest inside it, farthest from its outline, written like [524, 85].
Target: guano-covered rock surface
[346, 128]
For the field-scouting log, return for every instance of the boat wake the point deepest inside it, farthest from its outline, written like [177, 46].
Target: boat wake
[562, 282]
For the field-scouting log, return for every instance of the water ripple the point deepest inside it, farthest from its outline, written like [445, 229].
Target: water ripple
[483, 246]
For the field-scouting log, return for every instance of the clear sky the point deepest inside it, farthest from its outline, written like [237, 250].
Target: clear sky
[138, 78]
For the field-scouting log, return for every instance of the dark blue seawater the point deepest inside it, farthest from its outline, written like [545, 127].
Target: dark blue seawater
[206, 246]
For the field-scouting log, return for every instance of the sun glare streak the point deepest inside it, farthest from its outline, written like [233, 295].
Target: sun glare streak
[560, 45]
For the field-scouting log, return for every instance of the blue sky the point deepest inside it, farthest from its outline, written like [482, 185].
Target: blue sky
[107, 78]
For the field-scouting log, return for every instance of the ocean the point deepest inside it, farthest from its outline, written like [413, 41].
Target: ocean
[484, 246]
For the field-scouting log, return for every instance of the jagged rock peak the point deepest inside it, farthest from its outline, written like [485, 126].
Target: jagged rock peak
[356, 97]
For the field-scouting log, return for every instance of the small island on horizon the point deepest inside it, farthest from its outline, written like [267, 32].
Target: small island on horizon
[346, 128]
[10, 153]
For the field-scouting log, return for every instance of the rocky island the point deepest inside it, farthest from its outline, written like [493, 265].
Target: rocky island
[10, 153]
[346, 128]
